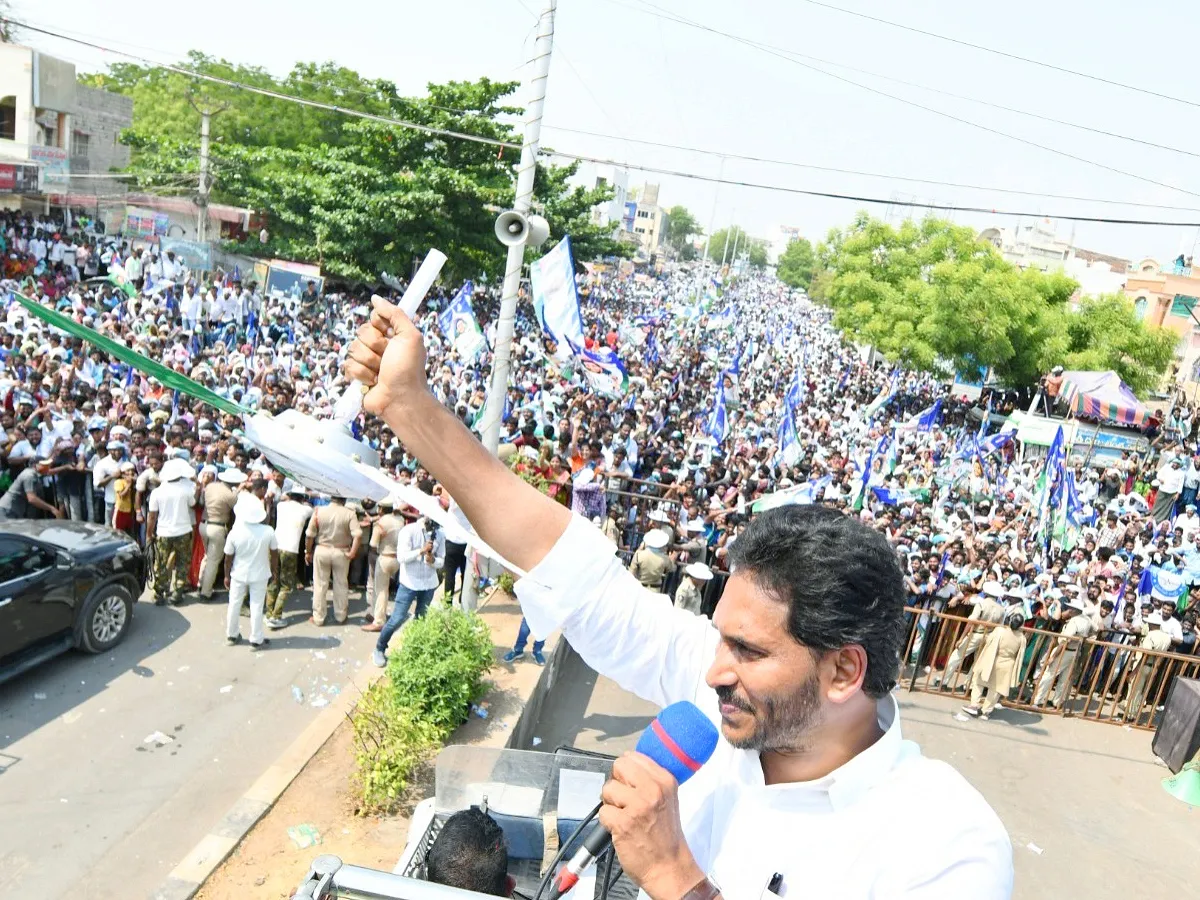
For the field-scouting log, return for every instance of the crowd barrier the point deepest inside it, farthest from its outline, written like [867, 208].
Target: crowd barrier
[1104, 679]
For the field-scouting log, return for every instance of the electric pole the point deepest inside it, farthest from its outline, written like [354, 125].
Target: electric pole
[206, 114]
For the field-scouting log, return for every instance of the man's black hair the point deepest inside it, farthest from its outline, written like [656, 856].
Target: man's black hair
[840, 579]
[470, 853]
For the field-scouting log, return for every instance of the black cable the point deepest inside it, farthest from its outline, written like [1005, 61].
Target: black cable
[664, 171]
[765, 48]
[607, 872]
[562, 851]
[1005, 54]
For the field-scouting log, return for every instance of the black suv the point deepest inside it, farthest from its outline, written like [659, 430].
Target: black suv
[63, 585]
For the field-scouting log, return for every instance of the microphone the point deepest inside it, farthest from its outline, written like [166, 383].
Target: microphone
[681, 740]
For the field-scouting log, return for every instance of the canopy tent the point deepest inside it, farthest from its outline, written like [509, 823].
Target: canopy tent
[1103, 396]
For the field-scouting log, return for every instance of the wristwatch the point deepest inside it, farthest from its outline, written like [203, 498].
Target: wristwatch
[704, 889]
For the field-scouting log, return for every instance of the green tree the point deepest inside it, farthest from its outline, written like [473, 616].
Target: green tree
[1105, 333]
[8, 31]
[681, 226]
[797, 264]
[757, 254]
[356, 196]
[724, 242]
[931, 295]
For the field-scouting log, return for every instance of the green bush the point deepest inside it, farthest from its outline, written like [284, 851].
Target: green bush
[505, 582]
[431, 682]
[389, 743]
[438, 671]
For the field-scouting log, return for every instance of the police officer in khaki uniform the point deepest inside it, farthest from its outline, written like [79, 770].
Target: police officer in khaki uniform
[1060, 669]
[218, 499]
[335, 531]
[651, 565]
[1154, 639]
[383, 542]
[987, 610]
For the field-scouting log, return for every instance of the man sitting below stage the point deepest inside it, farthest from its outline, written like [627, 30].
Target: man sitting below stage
[470, 853]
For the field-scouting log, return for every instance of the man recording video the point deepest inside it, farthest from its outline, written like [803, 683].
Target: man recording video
[812, 787]
[420, 552]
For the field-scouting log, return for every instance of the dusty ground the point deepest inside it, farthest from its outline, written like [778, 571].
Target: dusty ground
[268, 865]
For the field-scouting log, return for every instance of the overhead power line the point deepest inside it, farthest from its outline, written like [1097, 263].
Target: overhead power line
[1014, 56]
[787, 56]
[658, 170]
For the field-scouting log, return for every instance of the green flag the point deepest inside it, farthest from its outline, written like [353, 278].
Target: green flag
[168, 377]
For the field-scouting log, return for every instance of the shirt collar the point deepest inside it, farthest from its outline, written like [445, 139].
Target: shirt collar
[846, 784]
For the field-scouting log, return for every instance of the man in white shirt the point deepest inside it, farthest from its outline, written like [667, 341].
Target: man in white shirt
[812, 774]
[169, 523]
[105, 472]
[420, 551]
[251, 559]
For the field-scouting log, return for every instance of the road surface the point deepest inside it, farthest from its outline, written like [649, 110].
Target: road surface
[92, 807]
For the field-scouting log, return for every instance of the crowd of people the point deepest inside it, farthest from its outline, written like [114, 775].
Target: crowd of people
[736, 397]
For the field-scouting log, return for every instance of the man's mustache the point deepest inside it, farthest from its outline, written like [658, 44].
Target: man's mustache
[726, 694]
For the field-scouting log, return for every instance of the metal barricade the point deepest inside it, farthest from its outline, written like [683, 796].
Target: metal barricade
[1111, 681]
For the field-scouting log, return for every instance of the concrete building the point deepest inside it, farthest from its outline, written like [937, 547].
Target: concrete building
[650, 220]
[1167, 296]
[37, 100]
[66, 130]
[1036, 245]
[596, 175]
[96, 128]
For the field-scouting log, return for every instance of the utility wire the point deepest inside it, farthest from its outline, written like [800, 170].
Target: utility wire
[1005, 54]
[857, 172]
[784, 55]
[442, 132]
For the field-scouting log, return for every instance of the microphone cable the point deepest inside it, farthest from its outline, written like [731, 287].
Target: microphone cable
[562, 851]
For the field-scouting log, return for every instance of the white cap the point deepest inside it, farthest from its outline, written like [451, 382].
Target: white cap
[584, 478]
[1154, 618]
[656, 539]
[993, 588]
[249, 509]
[700, 571]
[232, 476]
[176, 468]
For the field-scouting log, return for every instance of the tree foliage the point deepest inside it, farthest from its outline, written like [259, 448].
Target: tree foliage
[797, 264]
[357, 196]
[726, 241]
[1105, 333]
[931, 295]
[681, 226]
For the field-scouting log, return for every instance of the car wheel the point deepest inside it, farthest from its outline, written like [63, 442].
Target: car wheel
[105, 618]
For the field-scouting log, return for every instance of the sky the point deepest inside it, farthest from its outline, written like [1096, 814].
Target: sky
[623, 70]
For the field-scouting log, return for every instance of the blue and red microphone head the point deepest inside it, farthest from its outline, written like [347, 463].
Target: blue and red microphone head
[680, 740]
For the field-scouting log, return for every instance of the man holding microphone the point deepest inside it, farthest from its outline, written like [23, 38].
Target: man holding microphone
[805, 791]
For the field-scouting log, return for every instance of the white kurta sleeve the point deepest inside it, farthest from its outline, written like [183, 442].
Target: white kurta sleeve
[622, 630]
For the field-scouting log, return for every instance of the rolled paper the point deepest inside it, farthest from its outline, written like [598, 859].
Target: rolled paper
[349, 405]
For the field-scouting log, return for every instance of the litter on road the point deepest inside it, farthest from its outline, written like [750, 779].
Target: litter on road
[304, 836]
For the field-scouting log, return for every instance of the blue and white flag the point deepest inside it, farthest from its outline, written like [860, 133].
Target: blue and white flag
[1161, 584]
[604, 372]
[718, 422]
[892, 496]
[458, 324]
[797, 393]
[556, 299]
[994, 443]
[927, 418]
[787, 439]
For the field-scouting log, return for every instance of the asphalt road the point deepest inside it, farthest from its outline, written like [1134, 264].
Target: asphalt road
[91, 806]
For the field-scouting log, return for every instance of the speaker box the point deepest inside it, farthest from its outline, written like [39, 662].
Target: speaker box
[1177, 739]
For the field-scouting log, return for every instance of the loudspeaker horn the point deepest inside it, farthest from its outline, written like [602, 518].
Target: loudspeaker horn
[1185, 786]
[512, 228]
[539, 231]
